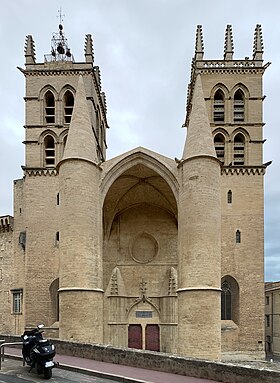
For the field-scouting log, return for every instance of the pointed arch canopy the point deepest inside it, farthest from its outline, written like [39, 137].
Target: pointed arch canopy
[162, 165]
[138, 180]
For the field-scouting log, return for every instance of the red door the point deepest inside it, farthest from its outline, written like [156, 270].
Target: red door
[152, 337]
[135, 336]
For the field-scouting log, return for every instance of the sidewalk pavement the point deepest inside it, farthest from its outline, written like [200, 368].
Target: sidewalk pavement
[116, 372]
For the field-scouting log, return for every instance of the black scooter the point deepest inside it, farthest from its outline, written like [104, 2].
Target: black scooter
[38, 352]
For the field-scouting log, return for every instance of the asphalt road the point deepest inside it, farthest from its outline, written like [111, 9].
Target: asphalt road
[13, 372]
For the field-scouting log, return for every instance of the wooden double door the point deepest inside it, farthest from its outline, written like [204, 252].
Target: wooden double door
[150, 335]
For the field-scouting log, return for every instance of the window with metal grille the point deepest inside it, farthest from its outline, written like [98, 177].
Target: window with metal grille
[17, 301]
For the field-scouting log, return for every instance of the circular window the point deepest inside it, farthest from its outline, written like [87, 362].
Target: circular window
[144, 248]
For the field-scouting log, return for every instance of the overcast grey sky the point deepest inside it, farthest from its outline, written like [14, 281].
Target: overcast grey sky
[144, 49]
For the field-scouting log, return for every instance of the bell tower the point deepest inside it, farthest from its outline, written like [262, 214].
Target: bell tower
[233, 93]
[51, 88]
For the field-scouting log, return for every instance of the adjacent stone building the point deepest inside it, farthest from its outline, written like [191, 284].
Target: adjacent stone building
[140, 250]
[272, 317]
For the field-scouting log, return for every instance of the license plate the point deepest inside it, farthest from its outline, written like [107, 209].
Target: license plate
[49, 364]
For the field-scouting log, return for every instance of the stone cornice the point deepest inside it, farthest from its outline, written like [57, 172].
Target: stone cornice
[244, 170]
[55, 72]
[39, 171]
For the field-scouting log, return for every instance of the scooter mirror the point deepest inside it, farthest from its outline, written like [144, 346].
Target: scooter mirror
[40, 326]
[25, 337]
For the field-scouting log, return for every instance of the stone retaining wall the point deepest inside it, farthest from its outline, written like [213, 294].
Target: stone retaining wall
[223, 372]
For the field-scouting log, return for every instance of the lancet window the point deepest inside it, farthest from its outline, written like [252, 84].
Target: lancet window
[219, 142]
[49, 148]
[238, 106]
[219, 106]
[239, 149]
[68, 106]
[49, 108]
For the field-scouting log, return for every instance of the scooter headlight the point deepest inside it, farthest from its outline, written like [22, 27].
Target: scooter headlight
[52, 347]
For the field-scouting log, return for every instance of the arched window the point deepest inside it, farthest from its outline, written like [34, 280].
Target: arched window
[68, 106]
[219, 106]
[239, 150]
[49, 108]
[219, 142]
[238, 236]
[229, 196]
[230, 299]
[226, 304]
[49, 147]
[238, 106]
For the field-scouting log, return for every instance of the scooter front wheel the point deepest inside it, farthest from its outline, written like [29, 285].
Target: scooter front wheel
[47, 373]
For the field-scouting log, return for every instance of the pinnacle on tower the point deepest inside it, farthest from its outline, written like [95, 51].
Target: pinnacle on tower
[228, 48]
[29, 50]
[258, 43]
[89, 57]
[80, 143]
[199, 47]
[199, 139]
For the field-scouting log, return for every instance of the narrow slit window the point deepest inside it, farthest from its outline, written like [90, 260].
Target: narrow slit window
[49, 108]
[219, 107]
[68, 106]
[238, 236]
[57, 199]
[57, 236]
[238, 106]
[229, 196]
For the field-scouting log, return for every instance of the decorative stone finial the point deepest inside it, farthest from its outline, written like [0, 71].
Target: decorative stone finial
[89, 49]
[199, 47]
[29, 50]
[228, 48]
[258, 43]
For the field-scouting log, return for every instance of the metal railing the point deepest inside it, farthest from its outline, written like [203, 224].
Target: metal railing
[2, 349]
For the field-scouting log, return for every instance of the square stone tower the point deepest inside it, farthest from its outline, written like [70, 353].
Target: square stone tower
[233, 94]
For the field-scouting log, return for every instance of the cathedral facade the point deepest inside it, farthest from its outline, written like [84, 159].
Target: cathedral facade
[140, 250]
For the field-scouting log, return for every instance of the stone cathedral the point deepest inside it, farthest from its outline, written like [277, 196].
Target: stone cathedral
[141, 250]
